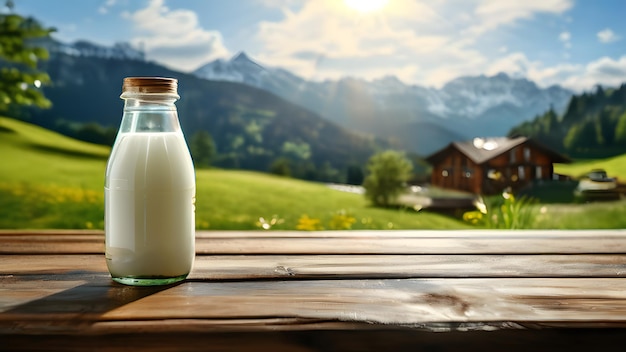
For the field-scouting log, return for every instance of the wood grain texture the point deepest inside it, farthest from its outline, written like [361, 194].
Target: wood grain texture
[286, 267]
[365, 337]
[409, 301]
[323, 291]
[343, 242]
[74, 307]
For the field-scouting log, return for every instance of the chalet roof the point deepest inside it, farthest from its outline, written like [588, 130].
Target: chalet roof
[481, 150]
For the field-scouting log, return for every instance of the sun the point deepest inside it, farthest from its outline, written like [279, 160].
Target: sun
[366, 5]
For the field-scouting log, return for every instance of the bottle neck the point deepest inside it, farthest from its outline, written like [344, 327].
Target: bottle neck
[149, 113]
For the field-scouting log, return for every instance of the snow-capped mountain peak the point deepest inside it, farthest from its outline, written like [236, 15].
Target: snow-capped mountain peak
[240, 68]
[120, 51]
[466, 105]
[242, 58]
[473, 96]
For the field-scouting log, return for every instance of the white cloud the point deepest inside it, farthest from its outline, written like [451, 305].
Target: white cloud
[495, 13]
[607, 36]
[607, 71]
[419, 41]
[175, 37]
[104, 8]
[565, 37]
[578, 77]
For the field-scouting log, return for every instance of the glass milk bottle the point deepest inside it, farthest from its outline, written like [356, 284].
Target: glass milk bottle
[149, 189]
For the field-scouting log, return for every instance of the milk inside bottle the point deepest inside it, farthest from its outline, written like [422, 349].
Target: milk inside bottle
[149, 189]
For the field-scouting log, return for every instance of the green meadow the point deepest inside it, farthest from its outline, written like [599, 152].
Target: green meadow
[50, 181]
[615, 167]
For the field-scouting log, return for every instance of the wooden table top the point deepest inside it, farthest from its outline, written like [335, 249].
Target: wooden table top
[323, 291]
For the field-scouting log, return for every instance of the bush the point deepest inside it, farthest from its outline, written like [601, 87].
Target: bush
[506, 212]
[388, 173]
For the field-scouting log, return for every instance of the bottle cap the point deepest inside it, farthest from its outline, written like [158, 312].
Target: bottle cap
[150, 85]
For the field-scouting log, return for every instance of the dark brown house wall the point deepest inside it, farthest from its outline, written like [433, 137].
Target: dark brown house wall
[457, 171]
[517, 168]
[513, 168]
[444, 172]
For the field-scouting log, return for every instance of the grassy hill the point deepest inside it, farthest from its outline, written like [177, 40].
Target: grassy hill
[50, 181]
[615, 167]
[37, 156]
[251, 128]
[590, 127]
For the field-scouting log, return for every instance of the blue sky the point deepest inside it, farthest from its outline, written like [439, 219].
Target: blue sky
[575, 43]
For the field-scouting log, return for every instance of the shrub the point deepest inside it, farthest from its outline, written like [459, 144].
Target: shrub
[388, 173]
[505, 212]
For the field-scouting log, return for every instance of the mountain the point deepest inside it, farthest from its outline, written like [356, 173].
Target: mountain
[84, 48]
[592, 126]
[251, 128]
[239, 69]
[421, 119]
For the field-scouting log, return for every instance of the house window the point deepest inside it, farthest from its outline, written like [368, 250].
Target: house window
[512, 155]
[521, 173]
[468, 173]
[445, 173]
[538, 171]
[494, 174]
[526, 154]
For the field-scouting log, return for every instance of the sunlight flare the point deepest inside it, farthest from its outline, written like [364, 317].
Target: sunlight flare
[366, 5]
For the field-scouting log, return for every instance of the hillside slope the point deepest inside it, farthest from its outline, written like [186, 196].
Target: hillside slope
[593, 125]
[615, 167]
[463, 108]
[31, 154]
[252, 128]
[50, 181]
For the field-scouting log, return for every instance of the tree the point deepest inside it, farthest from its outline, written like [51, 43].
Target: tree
[202, 148]
[388, 172]
[606, 123]
[581, 136]
[281, 167]
[620, 131]
[95, 133]
[20, 79]
[327, 173]
[548, 123]
[354, 175]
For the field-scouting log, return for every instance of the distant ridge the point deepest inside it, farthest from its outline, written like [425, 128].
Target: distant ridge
[252, 128]
[463, 108]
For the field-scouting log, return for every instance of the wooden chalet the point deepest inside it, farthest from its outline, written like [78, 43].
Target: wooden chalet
[490, 165]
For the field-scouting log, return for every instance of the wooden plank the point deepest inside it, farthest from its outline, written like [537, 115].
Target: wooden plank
[510, 244]
[363, 338]
[406, 266]
[420, 233]
[413, 301]
[34, 243]
[16, 291]
[431, 304]
[346, 242]
[51, 264]
[240, 267]
[294, 298]
[48, 232]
